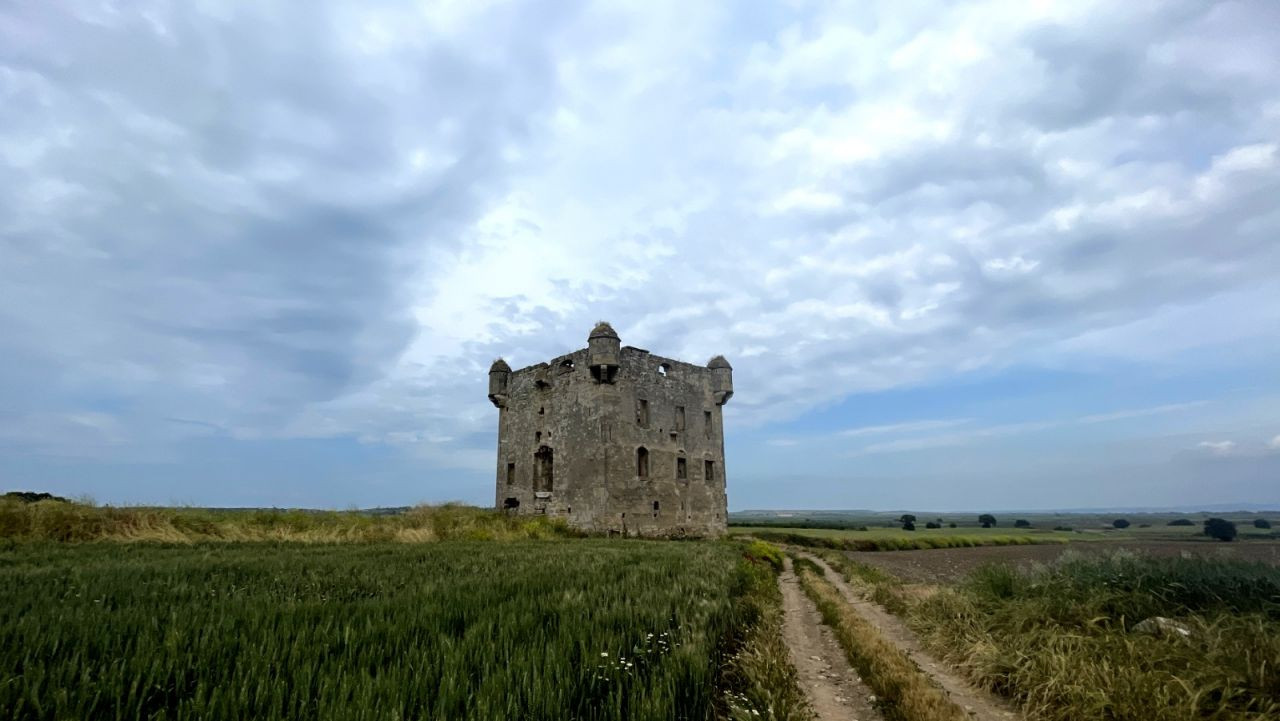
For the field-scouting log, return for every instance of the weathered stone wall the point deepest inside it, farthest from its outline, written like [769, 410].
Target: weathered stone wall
[569, 445]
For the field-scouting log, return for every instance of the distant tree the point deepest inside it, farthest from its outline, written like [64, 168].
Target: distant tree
[908, 526]
[1219, 528]
[1182, 522]
[987, 520]
[1120, 523]
[951, 525]
[1062, 528]
[1022, 523]
[1144, 525]
[939, 522]
[1261, 523]
[986, 525]
[933, 524]
[907, 518]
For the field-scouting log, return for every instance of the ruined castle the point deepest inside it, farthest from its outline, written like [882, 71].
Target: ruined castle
[614, 439]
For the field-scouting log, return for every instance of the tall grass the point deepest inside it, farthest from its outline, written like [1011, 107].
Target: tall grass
[72, 522]
[589, 629]
[1060, 640]
[922, 542]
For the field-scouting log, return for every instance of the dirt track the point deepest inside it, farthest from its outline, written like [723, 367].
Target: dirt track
[947, 565]
[834, 689]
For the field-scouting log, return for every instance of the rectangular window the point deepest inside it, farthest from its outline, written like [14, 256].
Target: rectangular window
[707, 424]
[709, 470]
[642, 412]
[682, 469]
[679, 418]
[511, 473]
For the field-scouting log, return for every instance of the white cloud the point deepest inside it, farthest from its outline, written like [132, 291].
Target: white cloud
[840, 202]
[1218, 448]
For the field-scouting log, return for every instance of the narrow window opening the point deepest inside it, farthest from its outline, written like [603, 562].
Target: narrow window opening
[663, 368]
[545, 461]
[642, 413]
[655, 509]
[537, 436]
[511, 473]
[679, 418]
[642, 462]
[542, 410]
[706, 423]
[682, 469]
[709, 470]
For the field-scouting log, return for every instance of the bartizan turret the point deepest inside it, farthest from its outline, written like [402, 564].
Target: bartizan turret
[721, 379]
[603, 347]
[499, 382]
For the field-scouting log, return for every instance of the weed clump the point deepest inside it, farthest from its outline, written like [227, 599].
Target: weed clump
[1061, 641]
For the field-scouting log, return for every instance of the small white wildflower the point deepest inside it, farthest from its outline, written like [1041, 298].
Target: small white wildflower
[604, 654]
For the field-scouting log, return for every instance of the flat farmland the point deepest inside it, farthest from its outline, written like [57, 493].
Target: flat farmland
[948, 565]
[586, 629]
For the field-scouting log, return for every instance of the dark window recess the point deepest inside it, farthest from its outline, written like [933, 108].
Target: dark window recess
[541, 410]
[537, 436]
[511, 503]
[655, 509]
[706, 423]
[682, 469]
[642, 412]
[642, 462]
[544, 461]
[511, 473]
[566, 366]
[542, 385]
[679, 418]
[709, 470]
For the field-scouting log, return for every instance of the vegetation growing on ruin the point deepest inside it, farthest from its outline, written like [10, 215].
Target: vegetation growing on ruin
[533, 630]
[58, 520]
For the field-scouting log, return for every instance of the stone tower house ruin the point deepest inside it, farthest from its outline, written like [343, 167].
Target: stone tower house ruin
[614, 439]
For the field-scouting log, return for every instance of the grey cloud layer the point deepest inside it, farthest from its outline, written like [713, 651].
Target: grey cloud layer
[302, 221]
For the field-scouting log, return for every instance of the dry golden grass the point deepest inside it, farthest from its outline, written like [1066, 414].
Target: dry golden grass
[74, 522]
[907, 693]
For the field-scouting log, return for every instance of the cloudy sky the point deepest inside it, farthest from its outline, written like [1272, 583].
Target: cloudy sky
[1004, 254]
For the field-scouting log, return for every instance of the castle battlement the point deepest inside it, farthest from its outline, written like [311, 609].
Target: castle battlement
[613, 438]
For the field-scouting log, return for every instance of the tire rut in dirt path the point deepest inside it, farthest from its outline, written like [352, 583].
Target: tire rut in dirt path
[979, 704]
[833, 688]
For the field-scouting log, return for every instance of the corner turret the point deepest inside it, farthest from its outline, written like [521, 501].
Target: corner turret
[721, 379]
[603, 350]
[499, 380]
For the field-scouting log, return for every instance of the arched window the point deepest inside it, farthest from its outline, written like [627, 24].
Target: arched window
[642, 462]
[544, 461]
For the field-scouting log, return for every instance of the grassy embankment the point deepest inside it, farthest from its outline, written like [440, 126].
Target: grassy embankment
[301, 628]
[906, 693]
[1060, 641]
[892, 539]
[71, 522]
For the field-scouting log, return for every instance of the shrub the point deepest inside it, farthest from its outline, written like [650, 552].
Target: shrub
[1221, 529]
[987, 520]
[1022, 523]
[932, 524]
[1062, 528]
[951, 525]
[908, 526]
[1182, 522]
[1120, 523]
[986, 525]
[1261, 523]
